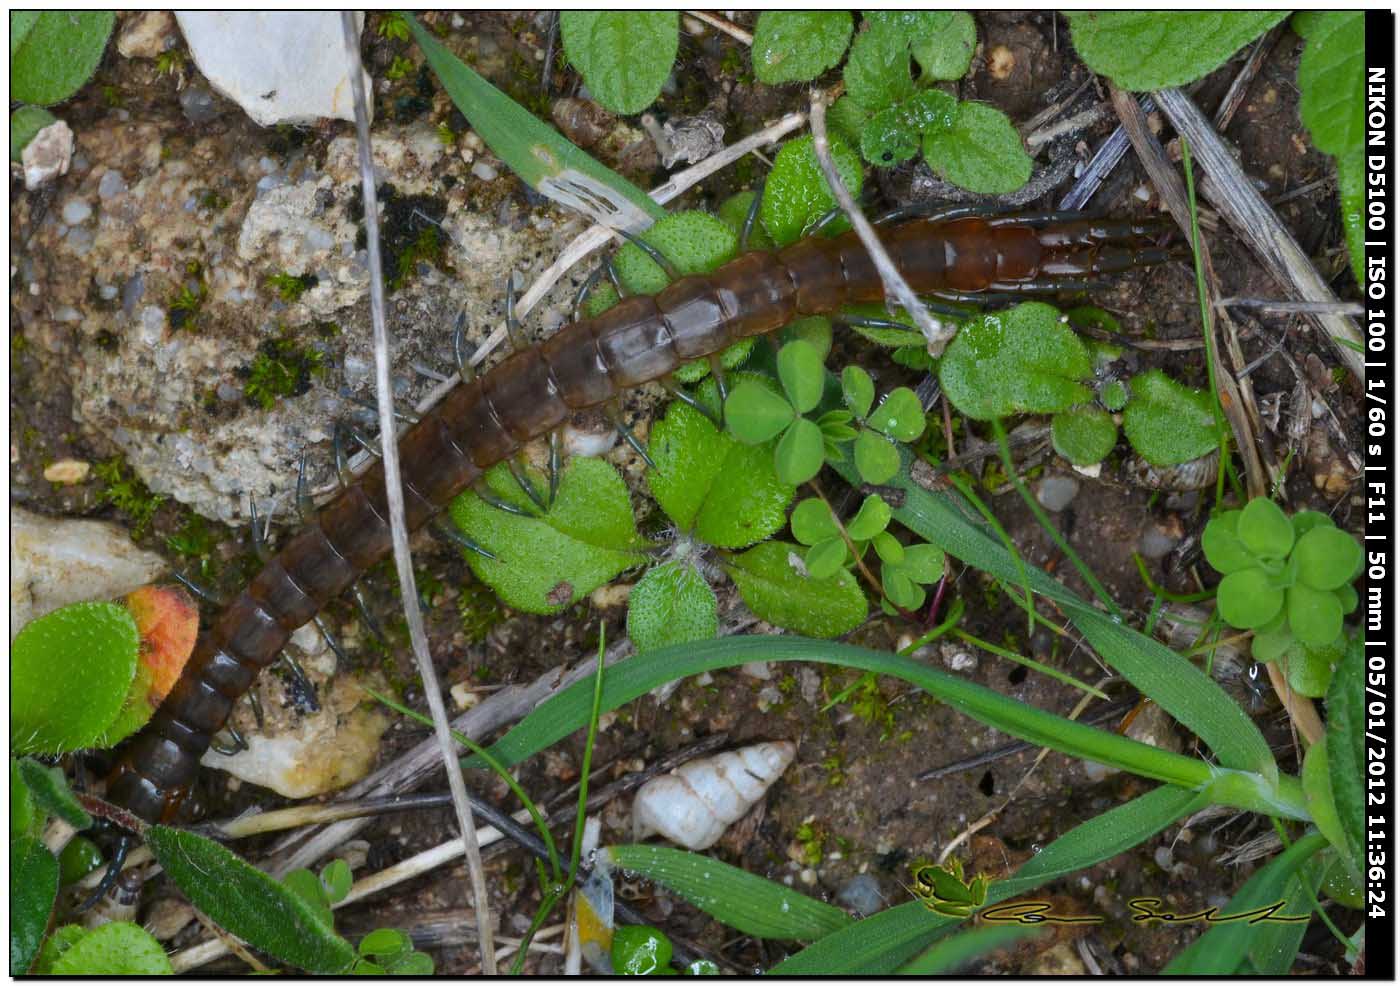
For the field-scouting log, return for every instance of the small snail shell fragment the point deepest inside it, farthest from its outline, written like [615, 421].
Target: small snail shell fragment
[1194, 475]
[694, 804]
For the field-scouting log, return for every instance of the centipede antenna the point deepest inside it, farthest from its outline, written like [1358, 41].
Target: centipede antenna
[401, 415]
[527, 487]
[459, 348]
[367, 443]
[933, 211]
[611, 268]
[659, 258]
[673, 387]
[109, 879]
[554, 465]
[209, 595]
[751, 217]
[306, 507]
[615, 416]
[362, 605]
[260, 547]
[452, 534]
[303, 690]
[492, 500]
[331, 642]
[584, 290]
[255, 703]
[513, 330]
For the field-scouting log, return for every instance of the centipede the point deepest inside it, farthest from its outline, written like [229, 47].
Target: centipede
[956, 255]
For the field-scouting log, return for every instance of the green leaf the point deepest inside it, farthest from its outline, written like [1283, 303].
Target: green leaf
[623, 56]
[815, 330]
[876, 458]
[21, 23]
[1264, 529]
[1222, 949]
[1166, 422]
[796, 193]
[847, 118]
[749, 904]
[900, 589]
[117, 949]
[25, 122]
[812, 522]
[1022, 360]
[1332, 80]
[755, 414]
[23, 816]
[981, 151]
[1247, 599]
[57, 54]
[1317, 789]
[729, 358]
[55, 945]
[900, 416]
[1314, 617]
[825, 558]
[303, 883]
[1346, 732]
[1327, 558]
[723, 491]
[536, 152]
[1143, 49]
[1351, 191]
[733, 211]
[924, 563]
[336, 880]
[79, 858]
[957, 952]
[671, 604]
[694, 242]
[95, 643]
[544, 564]
[1222, 545]
[49, 788]
[892, 135]
[798, 45]
[385, 941]
[872, 518]
[889, 549]
[776, 591]
[33, 889]
[1084, 434]
[857, 390]
[800, 452]
[640, 950]
[802, 374]
[246, 901]
[877, 71]
[943, 41]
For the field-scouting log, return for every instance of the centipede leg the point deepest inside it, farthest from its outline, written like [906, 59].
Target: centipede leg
[331, 642]
[617, 284]
[260, 547]
[109, 879]
[1047, 286]
[527, 487]
[306, 507]
[452, 534]
[201, 590]
[555, 465]
[236, 745]
[365, 442]
[366, 617]
[401, 415]
[459, 349]
[342, 460]
[482, 490]
[746, 231]
[584, 290]
[303, 691]
[933, 211]
[513, 328]
[614, 414]
[657, 257]
[717, 369]
[673, 387]
[255, 703]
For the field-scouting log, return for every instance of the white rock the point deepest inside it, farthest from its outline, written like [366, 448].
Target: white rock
[76, 211]
[48, 155]
[281, 67]
[144, 35]
[56, 562]
[1056, 492]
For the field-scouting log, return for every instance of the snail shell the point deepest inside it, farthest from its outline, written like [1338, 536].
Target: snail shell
[1183, 478]
[693, 805]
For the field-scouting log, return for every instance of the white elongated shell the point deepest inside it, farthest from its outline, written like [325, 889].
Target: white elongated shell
[692, 806]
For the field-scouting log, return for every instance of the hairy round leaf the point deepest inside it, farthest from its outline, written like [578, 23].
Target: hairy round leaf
[1327, 558]
[59, 52]
[798, 45]
[755, 414]
[877, 71]
[1166, 422]
[121, 948]
[1113, 395]
[1309, 668]
[893, 135]
[800, 452]
[694, 243]
[1022, 360]
[1315, 617]
[846, 118]
[1222, 545]
[671, 604]
[92, 643]
[981, 151]
[1150, 49]
[1264, 529]
[1084, 435]
[796, 193]
[545, 563]
[771, 583]
[1247, 599]
[943, 42]
[624, 55]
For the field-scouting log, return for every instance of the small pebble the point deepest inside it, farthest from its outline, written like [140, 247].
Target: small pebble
[808, 877]
[67, 313]
[76, 211]
[67, 471]
[111, 185]
[1056, 492]
[464, 696]
[958, 658]
[198, 103]
[757, 669]
[484, 171]
[861, 893]
[1156, 542]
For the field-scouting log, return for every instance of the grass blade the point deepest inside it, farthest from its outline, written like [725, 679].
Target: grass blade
[957, 951]
[748, 903]
[535, 151]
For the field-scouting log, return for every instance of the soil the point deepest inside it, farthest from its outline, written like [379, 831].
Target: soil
[854, 787]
